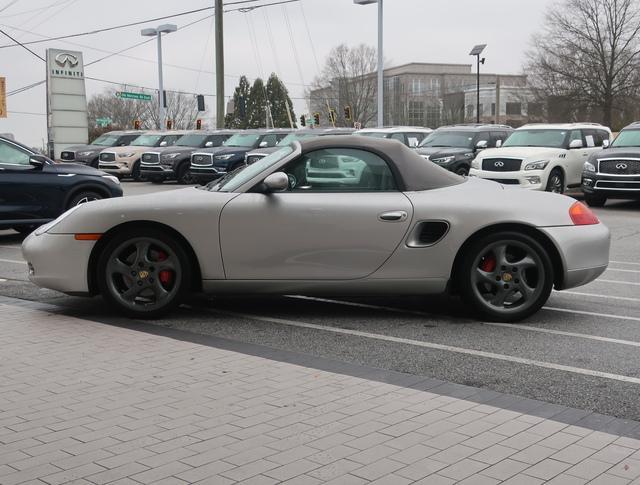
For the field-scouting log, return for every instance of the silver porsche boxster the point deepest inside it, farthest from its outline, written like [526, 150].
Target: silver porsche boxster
[331, 215]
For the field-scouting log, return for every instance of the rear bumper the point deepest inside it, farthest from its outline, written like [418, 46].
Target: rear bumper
[58, 261]
[584, 251]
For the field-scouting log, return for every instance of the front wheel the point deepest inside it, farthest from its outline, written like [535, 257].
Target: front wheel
[506, 276]
[462, 171]
[136, 175]
[595, 200]
[83, 198]
[184, 175]
[144, 274]
[556, 182]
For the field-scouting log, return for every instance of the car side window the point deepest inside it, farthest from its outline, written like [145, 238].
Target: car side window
[340, 170]
[270, 140]
[483, 136]
[280, 136]
[12, 155]
[497, 136]
[171, 139]
[398, 136]
[126, 140]
[576, 135]
[414, 139]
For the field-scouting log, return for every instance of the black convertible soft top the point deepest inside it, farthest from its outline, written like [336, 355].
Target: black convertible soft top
[412, 172]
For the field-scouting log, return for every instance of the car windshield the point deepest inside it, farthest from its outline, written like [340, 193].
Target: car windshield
[191, 140]
[551, 138]
[627, 138]
[146, 141]
[106, 140]
[242, 140]
[235, 179]
[373, 134]
[295, 136]
[451, 138]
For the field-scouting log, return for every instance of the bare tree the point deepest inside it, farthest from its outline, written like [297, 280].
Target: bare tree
[348, 78]
[587, 55]
[182, 110]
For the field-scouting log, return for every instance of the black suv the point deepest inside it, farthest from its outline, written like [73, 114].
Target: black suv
[455, 147]
[172, 163]
[35, 190]
[88, 154]
[211, 163]
[614, 172]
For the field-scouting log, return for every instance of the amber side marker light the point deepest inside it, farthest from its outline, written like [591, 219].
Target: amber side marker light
[581, 215]
[87, 237]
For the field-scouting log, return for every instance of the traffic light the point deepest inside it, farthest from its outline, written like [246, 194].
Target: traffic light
[332, 116]
[169, 124]
[316, 119]
[136, 124]
[347, 113]
[198, 124]
[200, 99]
[303, 121]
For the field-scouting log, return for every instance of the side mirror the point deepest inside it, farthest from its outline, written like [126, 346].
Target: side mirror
[163, 143]
[605, 143]
[263, 144]
[37, 161]
[481, 145]
[498, 143]
[208, 144]
[276, 182]
[575, 144]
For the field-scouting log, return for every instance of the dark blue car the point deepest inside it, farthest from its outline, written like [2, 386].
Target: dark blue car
[35, 190]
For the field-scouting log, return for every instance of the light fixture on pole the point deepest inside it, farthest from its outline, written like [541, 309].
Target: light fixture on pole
[380, 58]
[157, 32]
[476, 51]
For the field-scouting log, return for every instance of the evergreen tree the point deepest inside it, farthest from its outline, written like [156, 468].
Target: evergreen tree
[256, 106]
[278, 97]
[239, 118]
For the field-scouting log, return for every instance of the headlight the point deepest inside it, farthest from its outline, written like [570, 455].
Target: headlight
[589, 167]
[47, 227]
[115, 180]
[126, 154]
[539, 165]
[225, 157]
[475, 164]
[170, 156]
[84, 154]
[426, 157]
[468, 155]
[443, 159]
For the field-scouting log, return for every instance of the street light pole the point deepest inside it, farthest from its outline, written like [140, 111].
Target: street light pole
[476, 51]
[219, 36]
[157, 32]
[380, 57]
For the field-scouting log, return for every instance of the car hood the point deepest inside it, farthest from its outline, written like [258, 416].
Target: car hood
[439, 152]
[521, 152]
[171, 150]
[221, 150]
[84, 148]
[264, 151]
[74, 168]
[134, 149]
[627, 152]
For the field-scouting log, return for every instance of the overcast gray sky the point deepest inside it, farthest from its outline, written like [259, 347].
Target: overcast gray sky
[415, 31]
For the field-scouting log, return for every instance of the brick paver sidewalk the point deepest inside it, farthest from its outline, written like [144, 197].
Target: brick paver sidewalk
[85, 402]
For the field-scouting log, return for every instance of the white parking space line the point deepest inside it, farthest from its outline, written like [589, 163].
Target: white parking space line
[592, 314]
[430, 345]
[11, 247]
[617, 282]
[624, 270]
[13, 261]
[595, 295]
[624, 262]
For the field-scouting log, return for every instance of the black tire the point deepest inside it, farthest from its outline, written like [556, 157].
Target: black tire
[130, 279]
[595, 200]
[94, 163]
[555, 182]
[517, 285]
[26, 229]
[136, 175]
[155, 179]
[462, 171]
[83, 197]
[183, 174]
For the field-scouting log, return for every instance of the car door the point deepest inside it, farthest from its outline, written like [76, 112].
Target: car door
[26, 192]
[341, 218]
[576, 157]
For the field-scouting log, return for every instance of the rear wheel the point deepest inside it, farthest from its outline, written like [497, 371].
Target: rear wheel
[84, 197]
[463, 171]
[184, 175]
[556, 182]
[595, 200]
[144, 274]
[506, 276]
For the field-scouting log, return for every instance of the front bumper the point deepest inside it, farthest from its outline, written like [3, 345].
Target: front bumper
[611, 186]
[118, 167]
[530, 179]
[58, 261]
[165, 171]
[584, 251]
[207, 173]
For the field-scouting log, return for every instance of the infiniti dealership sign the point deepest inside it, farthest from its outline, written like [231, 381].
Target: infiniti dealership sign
[66, 100]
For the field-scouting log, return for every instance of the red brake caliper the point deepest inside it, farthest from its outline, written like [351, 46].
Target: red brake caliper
[165, 275]
[488, 264]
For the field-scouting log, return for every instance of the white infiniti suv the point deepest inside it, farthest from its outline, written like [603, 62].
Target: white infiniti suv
[542, 156]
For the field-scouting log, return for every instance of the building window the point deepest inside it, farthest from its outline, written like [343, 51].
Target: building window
[417, 86]
[416, 113]
[493, 109]
[514, 109]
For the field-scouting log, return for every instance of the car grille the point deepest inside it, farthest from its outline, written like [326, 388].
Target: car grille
[324, 163]
[620, 167]
[67, 155]
[254, 158]
[613, 185]
[108, 157]
[150, 158]
[200, 160]
[507, 181]
[501, 164]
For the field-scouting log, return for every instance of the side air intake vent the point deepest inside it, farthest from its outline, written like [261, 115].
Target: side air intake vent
[427, 233]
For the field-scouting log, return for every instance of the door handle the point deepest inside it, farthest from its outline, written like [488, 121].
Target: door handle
[393, 216]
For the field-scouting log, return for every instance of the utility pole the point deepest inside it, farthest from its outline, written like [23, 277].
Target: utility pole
[219, 36]
[476, 51]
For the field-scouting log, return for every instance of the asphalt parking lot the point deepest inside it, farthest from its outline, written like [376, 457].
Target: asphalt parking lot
[582, 350]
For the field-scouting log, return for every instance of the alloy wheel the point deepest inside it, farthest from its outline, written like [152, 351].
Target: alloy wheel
[555, 184]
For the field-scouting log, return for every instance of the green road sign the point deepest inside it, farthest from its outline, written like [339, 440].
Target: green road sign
[103, 122]
[126, 95]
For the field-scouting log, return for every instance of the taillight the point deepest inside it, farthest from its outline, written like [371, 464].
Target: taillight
[581, 215]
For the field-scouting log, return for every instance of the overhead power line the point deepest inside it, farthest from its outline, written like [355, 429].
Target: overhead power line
[22, 45]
